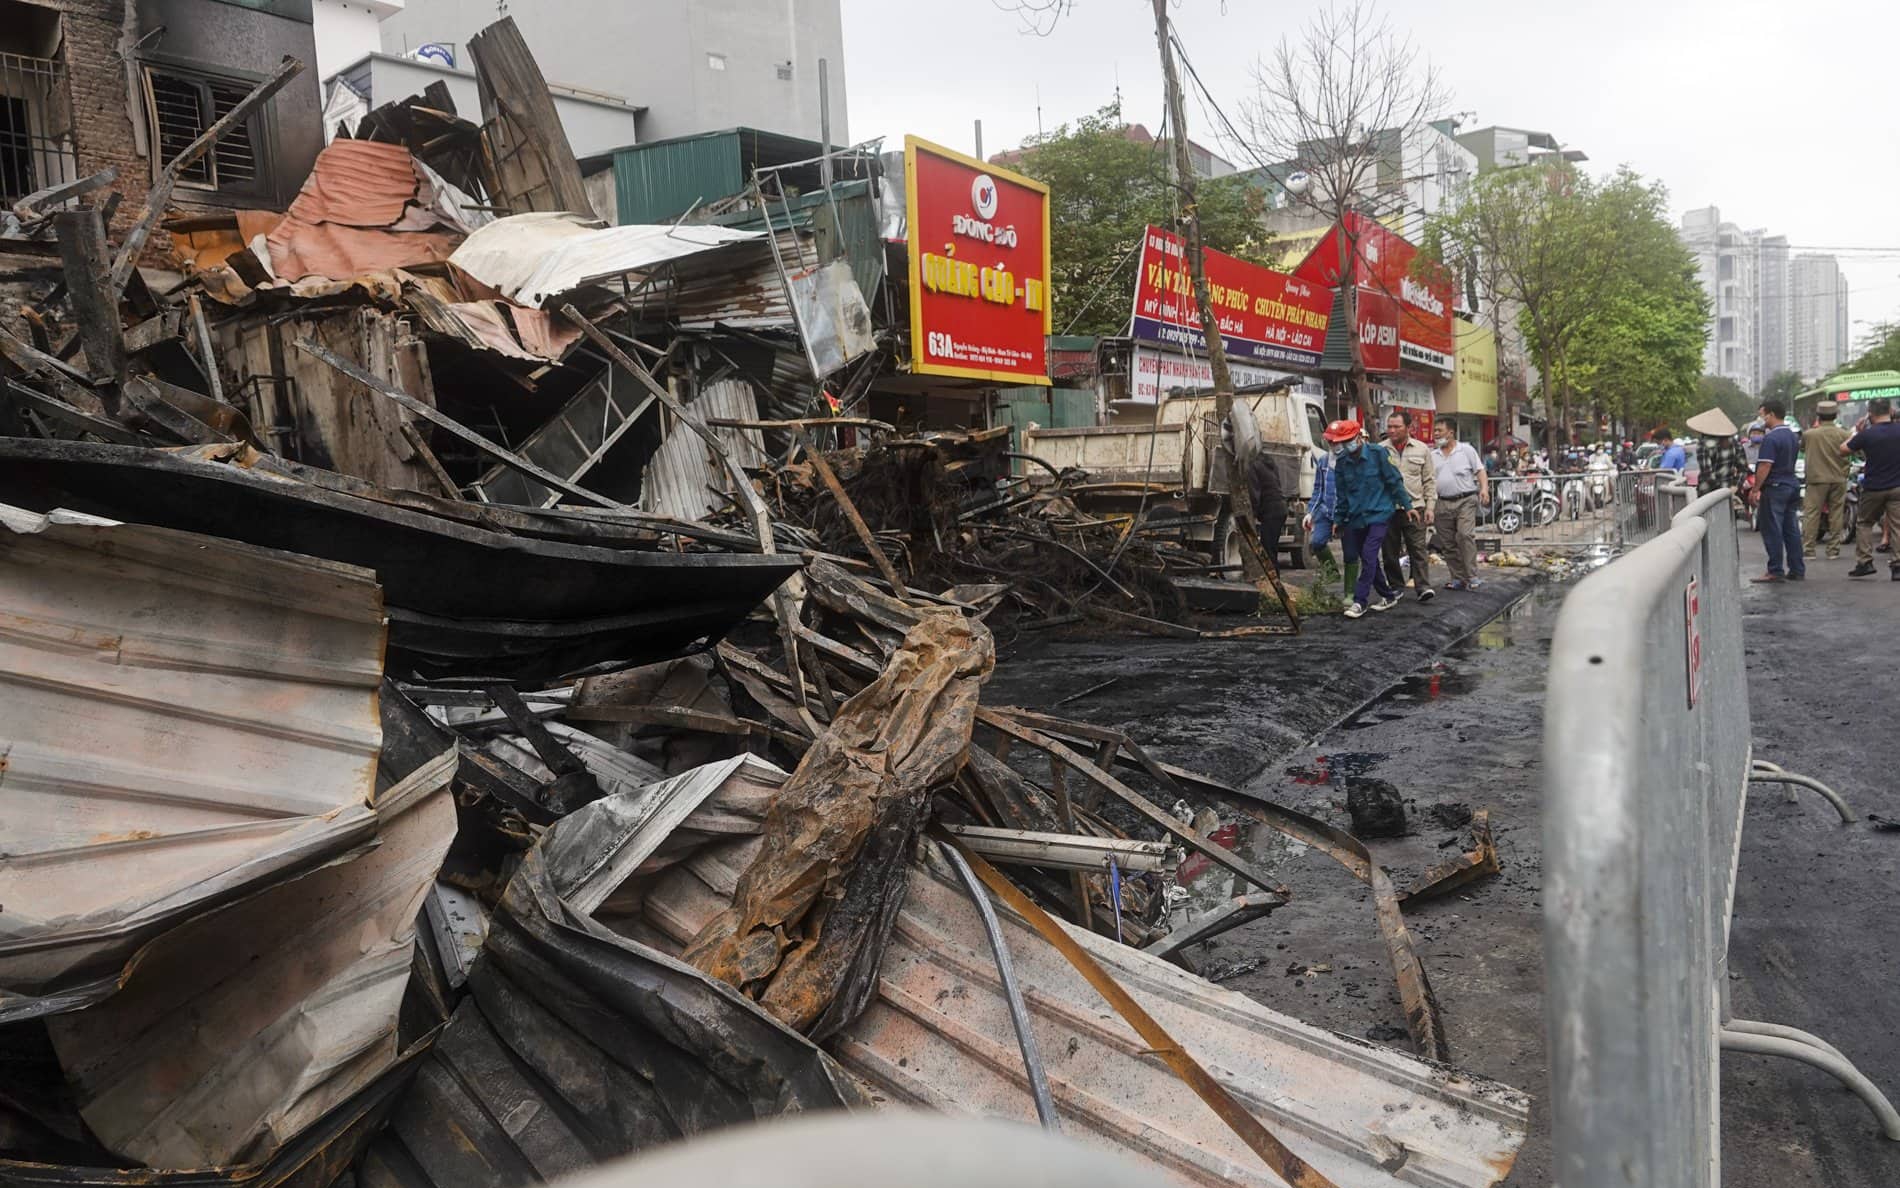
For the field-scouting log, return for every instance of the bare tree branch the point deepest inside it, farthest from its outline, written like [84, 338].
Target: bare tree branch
[1340, 103]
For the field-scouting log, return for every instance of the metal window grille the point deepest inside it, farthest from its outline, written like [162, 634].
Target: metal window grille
[181, 107]
[36, 142]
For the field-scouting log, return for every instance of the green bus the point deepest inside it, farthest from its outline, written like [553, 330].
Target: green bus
[1851, 392]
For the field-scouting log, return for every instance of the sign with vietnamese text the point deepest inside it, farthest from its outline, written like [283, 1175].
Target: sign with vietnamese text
[979, 267]
[1264, 316]
[1154, 374]
[1413, 312]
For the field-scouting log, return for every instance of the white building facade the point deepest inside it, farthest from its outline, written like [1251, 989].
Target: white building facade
[1818, 344]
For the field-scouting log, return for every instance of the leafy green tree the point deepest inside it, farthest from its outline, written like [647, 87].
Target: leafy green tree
[1606, 295]
[1719, 391]
[1880, 350]
[1783, 386]
[1104, 191]
[1637, 356]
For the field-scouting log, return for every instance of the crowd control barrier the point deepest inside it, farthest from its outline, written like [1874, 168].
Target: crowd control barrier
[1646, 766]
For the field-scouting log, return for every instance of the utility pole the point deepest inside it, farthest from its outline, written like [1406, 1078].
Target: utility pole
[1191, 223]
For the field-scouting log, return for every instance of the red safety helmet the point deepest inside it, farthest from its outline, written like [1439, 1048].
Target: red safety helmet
[1343, 431]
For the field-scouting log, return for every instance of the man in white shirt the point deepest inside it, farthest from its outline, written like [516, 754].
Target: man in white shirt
[1462, 485]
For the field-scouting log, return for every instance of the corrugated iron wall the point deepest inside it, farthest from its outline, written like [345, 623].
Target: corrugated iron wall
[658, 183]
[683, 475]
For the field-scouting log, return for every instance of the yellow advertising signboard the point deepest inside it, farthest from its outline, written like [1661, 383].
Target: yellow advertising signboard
[1475, 391]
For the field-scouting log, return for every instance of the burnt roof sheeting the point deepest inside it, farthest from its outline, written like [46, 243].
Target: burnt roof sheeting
[187, 720]
[462, 600]
[577, 1045]
[241, 1028]
[936, 1036]
[531, 258]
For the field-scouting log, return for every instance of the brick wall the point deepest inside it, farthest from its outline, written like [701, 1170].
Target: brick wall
[102, 120]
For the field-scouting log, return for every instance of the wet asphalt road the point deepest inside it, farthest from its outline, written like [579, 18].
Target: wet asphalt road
[1459, 723]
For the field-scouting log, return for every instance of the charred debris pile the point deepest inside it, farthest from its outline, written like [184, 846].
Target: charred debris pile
[468, 720]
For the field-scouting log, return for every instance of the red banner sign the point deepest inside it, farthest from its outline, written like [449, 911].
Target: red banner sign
[1264, 316]
[1413, 312]
[979, 267]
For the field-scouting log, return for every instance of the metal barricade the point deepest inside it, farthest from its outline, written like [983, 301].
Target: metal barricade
[1584, 511]
[1646, 766]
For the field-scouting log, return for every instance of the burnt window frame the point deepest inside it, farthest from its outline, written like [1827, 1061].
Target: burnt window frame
[261, 126]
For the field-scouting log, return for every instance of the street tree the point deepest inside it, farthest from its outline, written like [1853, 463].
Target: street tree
[1719, 391]
[1104, 191]
[1339, 103]
[1637, 355]
[1527, 232]
[1783, 386]
[1879, 350]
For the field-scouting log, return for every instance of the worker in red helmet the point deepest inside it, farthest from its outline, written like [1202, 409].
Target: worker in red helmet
[1368, 492]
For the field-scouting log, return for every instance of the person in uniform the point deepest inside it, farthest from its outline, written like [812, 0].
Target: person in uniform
[1824, 500]
[1408, 533]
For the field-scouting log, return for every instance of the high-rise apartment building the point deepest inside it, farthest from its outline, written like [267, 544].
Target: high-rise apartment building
[1818, 345]
[1772, 313]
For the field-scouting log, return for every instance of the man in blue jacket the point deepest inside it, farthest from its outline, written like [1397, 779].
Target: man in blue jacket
[1367, 492]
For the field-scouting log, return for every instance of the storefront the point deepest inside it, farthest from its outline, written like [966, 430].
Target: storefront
[1471, 398]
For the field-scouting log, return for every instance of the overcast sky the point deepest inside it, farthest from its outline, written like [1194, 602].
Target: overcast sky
[1787, 116]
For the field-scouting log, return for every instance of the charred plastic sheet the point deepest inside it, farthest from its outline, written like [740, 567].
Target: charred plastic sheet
[463, 600]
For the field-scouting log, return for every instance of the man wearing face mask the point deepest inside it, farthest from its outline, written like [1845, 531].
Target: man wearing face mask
[1367, 492]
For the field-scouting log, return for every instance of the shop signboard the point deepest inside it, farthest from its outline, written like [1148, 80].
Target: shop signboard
[1405, 318]
[1264, 316]
[979, 267]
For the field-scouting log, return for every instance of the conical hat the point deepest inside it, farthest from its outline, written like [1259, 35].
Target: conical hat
[1713, 423]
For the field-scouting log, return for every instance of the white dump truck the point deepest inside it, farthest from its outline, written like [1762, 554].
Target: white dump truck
[1155, 459]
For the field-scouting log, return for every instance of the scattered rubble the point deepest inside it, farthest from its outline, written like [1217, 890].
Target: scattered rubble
[485, 704]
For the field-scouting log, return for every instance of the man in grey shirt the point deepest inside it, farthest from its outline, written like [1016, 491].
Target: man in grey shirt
[1462, 485]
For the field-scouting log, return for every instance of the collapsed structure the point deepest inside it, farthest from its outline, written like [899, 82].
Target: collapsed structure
[491, 694]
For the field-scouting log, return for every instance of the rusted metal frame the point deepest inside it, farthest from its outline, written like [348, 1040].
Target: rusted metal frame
[680, 718]
[1480, 861]
[1274, 1153]
[1230, 915]
[34, 361]
[1076, 553]
[805, 423]
[573, 785]
[784, 607]
[830, 479]
[73, 418]
[844, 652]
[161, 193]
[1216, 853]
[1415, 991]
[1066, 851]
[429, 413]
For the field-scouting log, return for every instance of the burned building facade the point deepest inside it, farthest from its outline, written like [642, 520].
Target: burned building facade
[87, 85]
